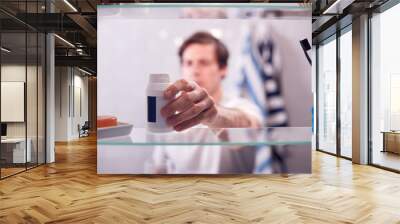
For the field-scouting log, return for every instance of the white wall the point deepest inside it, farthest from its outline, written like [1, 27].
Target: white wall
[68, 81]
[80, 83]
[12, 73]
[15, 72]
[61, 103]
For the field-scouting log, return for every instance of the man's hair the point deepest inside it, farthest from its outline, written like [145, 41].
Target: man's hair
[221, 52]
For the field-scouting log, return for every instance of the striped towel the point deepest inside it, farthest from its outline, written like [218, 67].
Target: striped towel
[261, 81]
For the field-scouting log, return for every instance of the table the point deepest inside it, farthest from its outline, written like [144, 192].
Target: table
[391, 141]
[13, 150]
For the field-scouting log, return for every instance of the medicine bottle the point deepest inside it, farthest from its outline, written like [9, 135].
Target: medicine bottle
[155, 101]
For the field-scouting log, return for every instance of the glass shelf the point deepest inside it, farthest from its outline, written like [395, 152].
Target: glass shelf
[207, 136]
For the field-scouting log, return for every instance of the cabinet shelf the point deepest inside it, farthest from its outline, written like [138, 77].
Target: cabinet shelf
[206, 136]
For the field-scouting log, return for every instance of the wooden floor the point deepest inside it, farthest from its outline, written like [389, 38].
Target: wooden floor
[70, 191]
[387, 159]
[10, 171]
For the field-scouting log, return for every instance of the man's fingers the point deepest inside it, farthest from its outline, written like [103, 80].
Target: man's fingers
[192, 107]
[197, 94]
[188, 124]
[185, 101]
[175, 88]
[190, 113]
[180, 104]
[211, 112]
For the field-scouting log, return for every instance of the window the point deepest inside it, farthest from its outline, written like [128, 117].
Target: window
[385, 89]
[327, 96]
[346, 93]
[22, 77]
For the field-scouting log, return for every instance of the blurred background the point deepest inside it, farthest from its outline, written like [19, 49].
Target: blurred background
[134, 42]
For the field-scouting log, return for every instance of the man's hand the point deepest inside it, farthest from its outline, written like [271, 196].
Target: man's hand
[193, 106]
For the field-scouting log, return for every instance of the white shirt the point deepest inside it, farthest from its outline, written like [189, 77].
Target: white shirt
[206, 159]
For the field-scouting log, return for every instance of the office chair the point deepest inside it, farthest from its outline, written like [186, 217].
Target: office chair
[84, 130]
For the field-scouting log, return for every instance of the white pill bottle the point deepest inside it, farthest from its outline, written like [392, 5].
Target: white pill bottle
[155, 101]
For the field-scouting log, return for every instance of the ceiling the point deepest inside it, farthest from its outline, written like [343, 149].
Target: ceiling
[332, 15]
[76, 22]
[72, 20]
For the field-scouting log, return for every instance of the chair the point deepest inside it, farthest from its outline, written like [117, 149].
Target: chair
[84, 130]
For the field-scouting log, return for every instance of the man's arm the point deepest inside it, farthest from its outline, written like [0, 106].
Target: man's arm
[194, 106]
[232, 118]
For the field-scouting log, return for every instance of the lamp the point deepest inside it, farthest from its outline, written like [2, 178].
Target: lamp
[70, 5]
[306, 46]
[5, 50]
[64, 40]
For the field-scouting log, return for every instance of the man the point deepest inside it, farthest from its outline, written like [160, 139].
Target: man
[198, 100]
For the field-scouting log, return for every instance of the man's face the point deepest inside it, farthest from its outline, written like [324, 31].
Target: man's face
[199, 63]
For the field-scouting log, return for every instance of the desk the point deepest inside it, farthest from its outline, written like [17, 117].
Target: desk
[13, 150]
[391, 141]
